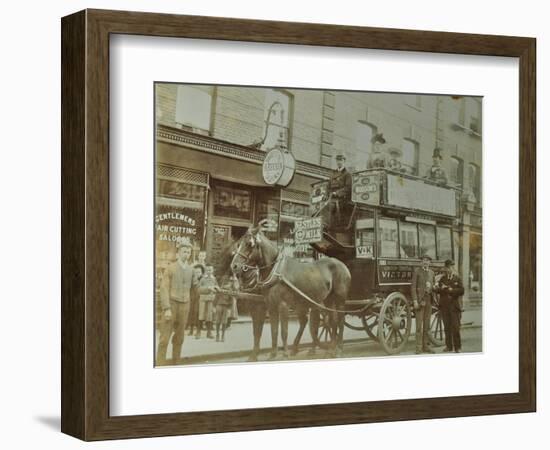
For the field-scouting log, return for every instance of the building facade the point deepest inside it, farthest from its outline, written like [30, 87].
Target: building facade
[212, 140]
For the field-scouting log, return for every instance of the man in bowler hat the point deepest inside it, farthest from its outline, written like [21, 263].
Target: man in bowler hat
[450, 288]
[422, 291]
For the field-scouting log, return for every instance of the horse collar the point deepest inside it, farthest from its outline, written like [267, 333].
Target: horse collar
[275, 274]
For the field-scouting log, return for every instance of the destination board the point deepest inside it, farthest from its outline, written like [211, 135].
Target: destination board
[418, 195]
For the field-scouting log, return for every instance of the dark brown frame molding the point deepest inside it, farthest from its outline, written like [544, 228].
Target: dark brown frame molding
[85, 224]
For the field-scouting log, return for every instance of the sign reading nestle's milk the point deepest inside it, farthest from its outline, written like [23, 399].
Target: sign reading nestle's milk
[278, 168]
[308, 231]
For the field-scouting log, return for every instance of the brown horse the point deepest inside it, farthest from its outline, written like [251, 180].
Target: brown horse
[285, 281]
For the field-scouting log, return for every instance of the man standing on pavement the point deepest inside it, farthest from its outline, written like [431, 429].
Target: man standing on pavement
[175, 293]
[450, 289]
[422, 290]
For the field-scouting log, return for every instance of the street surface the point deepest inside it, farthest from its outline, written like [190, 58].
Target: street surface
[471, 343]
[238, 343]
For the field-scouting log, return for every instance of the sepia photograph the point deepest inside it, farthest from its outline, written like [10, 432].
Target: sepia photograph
[295, 224]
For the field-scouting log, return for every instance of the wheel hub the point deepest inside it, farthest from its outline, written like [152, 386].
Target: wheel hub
[397, 323]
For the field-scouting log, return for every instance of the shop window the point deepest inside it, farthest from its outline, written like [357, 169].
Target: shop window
[408, 240]
[444, 243]
[267, 207]
[475, 276]
[277, 115]
[194, 106]
[183, 191]
[426, 234]
[287, 244]
[232, 202]
[294, 209]
[387, 239]
[179, 214]
[409, 160]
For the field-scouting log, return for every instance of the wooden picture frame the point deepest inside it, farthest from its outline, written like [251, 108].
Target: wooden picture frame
[85, 224]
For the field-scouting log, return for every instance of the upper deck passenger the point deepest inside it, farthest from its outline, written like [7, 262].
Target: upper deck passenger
[436, 172]
[378, 159]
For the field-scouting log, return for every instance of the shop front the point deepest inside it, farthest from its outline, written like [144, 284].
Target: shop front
[211, 193]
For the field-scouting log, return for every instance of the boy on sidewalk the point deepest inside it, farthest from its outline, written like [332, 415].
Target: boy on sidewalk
[224, 304]
[208, 286]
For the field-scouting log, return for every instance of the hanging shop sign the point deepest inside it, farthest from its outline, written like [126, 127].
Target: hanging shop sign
[278, 168]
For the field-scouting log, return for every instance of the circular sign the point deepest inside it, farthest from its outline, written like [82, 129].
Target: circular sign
[278, 168]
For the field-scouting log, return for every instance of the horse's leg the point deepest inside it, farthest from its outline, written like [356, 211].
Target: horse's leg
[301, 310]
[274, 321]
[283, 314]
[340, 337]
[314, 321]
[333, 325]
[258, 318]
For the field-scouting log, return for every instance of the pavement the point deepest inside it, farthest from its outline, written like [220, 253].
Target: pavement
[239, 340]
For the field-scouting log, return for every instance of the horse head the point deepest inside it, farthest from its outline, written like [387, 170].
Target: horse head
[253, 250]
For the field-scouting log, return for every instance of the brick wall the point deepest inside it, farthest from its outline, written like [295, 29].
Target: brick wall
[325, 124]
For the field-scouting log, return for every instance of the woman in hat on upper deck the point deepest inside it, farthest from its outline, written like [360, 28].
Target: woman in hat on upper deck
[378, 159]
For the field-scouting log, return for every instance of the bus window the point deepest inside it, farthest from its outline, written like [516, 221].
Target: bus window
[387, 238]
[427, 240]
[408, 239]
[444, 243]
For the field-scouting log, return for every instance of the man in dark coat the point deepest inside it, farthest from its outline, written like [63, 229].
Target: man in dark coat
[450, 288]
[422, 291]
[340, 181]
[339, 189]
[437, 173]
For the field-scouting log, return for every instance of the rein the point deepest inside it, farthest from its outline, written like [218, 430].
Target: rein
[276, 275]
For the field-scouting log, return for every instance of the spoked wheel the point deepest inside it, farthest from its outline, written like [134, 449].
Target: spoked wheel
[324, 333]
[436, 334]
[394, 326]
[354, 322]
[370, 323]
[367, 322]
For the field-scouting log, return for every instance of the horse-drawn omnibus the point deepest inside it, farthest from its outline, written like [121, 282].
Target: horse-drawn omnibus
[380, 232]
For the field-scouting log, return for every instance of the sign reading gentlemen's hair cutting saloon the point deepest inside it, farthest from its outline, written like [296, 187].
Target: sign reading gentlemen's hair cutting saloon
[172, 224]
[278, 168]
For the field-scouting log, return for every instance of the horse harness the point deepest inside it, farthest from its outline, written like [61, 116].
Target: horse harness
[276, 276]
